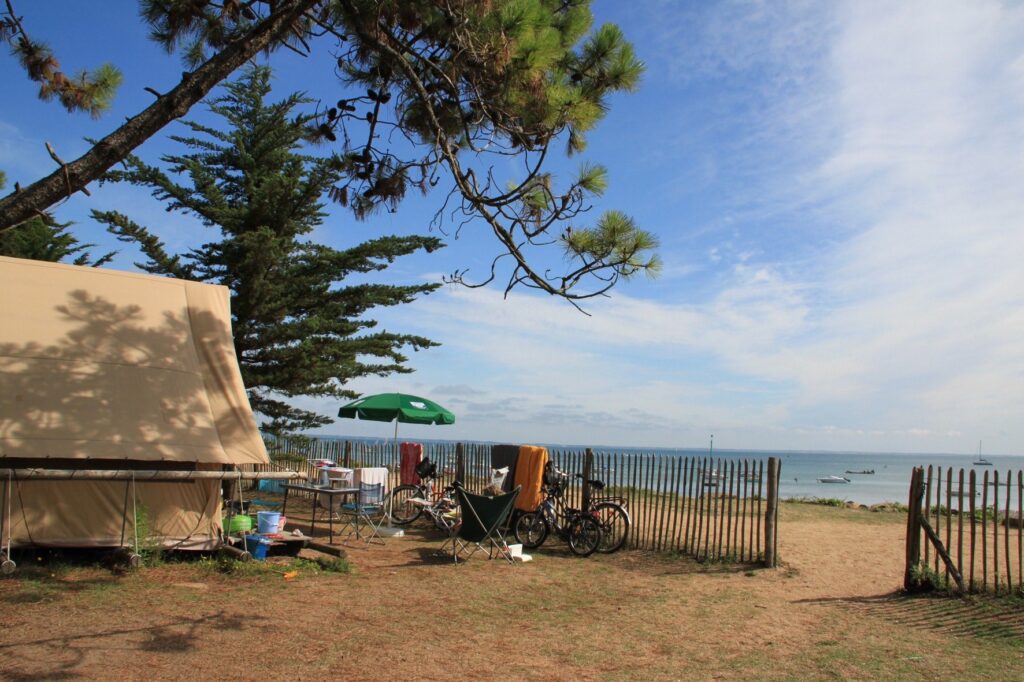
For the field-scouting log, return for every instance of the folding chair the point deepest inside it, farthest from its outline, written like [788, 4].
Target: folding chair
[483, 519]
[368, 508]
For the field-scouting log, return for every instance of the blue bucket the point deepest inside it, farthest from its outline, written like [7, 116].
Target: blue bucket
[257, 546]
[267, 521]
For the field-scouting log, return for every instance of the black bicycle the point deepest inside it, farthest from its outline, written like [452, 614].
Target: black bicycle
[611, 513]
[580, 529]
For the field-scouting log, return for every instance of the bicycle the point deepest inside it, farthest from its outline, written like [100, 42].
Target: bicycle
[408, 502]
[581, 530]
[611, 513]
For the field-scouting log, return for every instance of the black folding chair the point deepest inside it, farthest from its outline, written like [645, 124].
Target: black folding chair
[483, 520]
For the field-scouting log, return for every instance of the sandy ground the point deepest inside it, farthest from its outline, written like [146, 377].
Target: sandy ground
[830, 612]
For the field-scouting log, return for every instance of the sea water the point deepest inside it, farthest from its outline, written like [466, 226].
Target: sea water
[890, 483]
[801, 470]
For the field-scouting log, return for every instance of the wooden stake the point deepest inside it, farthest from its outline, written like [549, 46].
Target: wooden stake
[588, 473]
[949, 513]
[927, 506]
[960, 523]
[1006, 535]
[913, 542]
[984, 531]
[974, 525]
[995, 529]
[460, 462]
[760, 496]
[941, 551]
[771, 514]
[327, 549]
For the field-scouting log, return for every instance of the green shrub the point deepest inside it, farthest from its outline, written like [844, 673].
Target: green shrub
[825, 501]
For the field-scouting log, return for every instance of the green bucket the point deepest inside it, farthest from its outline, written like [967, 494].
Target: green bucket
[240, 524]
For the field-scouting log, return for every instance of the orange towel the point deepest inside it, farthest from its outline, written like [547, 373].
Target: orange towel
[530, 475]
[412, 453]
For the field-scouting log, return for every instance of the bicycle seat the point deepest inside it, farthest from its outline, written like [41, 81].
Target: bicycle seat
[596, 484]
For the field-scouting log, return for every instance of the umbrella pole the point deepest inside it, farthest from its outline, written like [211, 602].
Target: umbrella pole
[396, 445]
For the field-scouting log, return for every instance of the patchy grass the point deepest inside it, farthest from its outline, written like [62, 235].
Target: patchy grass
[397, 612]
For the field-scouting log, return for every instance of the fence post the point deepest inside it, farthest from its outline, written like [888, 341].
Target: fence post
[347, 463]
[771, 514]
[913, 526]
[588, 469]
[460, 462]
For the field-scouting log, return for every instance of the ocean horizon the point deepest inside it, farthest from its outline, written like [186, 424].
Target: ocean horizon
[801, 469]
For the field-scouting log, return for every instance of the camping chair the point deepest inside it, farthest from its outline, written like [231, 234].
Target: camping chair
[369, 509]
[483, 519]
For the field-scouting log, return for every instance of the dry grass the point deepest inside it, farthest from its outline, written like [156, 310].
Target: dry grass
[830, 612]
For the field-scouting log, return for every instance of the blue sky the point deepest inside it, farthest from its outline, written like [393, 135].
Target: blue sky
[836, 187]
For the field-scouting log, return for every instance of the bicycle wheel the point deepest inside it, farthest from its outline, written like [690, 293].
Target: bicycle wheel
[615, 524]
[402, 511]
[584, 535]
[531, 529]
[443, 513]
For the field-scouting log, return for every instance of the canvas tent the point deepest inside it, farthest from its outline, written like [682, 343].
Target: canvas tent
[121, 372]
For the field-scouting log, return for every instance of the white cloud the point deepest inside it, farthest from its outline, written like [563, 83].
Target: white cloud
[896, 137]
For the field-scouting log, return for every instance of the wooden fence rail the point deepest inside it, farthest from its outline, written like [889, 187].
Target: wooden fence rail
[961, 544]
[711, 509]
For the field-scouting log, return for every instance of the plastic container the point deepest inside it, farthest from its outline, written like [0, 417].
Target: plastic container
[281, 523]
[239, 523]
[268, 521]
[267, 486]
[257, 546]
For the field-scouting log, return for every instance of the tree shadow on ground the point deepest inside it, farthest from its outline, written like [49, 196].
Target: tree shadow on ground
[657, 563]
[59, 657]
[977, 616]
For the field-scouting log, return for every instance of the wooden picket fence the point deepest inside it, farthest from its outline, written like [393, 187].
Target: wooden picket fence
[710, 509]
[965, 531]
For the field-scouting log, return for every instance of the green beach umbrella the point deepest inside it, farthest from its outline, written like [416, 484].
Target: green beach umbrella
[400, 407]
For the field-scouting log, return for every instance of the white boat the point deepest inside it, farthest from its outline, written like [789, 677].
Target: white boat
[712, 478]
[981, 461]
[833, 479]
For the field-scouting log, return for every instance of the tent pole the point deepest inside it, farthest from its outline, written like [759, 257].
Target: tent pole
[165, 476]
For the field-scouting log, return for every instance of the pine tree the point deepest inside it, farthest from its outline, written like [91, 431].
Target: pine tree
[297, 330]
[43, 238]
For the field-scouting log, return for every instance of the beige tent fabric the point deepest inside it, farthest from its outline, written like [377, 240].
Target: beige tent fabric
[92, 514]
[110, 365]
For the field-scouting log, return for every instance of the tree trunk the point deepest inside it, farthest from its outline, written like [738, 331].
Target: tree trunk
[19, 206]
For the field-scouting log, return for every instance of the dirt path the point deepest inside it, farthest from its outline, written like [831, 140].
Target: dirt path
[829, 612]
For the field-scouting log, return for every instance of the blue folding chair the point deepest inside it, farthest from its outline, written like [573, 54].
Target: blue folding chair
[368, 509]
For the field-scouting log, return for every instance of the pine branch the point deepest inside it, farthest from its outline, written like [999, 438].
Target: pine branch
[39, 196]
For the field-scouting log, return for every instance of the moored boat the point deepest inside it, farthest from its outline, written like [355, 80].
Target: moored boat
[833, 479]
[981, 461]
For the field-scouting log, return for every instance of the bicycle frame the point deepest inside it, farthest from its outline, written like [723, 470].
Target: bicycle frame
[437, 504]
[555, 511]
